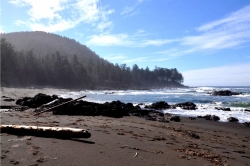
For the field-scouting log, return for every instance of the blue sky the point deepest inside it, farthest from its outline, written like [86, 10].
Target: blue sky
[208, 41]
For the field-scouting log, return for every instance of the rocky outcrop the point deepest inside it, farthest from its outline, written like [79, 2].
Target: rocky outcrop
[224, 93]
[114, 109]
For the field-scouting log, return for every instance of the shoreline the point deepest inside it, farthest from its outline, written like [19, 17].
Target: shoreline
[122, 141]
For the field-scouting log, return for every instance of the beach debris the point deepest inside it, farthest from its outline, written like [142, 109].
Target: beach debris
[143, 150]
[13, 107]
[192, 134]
[202, 153]
[9, 99]
[158, 138]
[136, 154]
[41, 131]
[21, 139]
[192, 118]
[247, 124]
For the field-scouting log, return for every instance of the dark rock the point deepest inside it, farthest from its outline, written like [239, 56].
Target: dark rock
[175, 118]
[186, 105]
[26, 101]
[158, 105]
[211, 117]
[248, 110]
[223, 109]
[36, 101]
[232, 119]
[114, 109]
[224, 93]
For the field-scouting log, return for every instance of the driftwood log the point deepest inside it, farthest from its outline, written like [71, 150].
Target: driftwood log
[49, 109]
[40, 131]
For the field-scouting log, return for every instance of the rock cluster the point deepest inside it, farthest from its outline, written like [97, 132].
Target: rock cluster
[164, 105]
[115, 109]
[36, 101]
[224, 93]
[210, 117]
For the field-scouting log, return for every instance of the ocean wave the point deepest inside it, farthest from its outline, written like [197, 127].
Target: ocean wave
[241, 115]
[240, 104]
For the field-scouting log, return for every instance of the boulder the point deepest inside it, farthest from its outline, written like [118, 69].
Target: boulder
[223, 109]
[232, 119]
[211, 117]
[248, 110]
[186, 105]
[175, 118]
[224, 93]
[159, 105]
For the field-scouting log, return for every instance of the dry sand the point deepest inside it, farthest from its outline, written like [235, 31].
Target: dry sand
[123, 141]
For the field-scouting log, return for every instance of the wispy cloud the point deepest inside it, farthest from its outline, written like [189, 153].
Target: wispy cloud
[129, 11]
[127, 40]
[140, 59]
[229, 32]
[125, 59]
[60, 15]
[231, 75]
[116, 57]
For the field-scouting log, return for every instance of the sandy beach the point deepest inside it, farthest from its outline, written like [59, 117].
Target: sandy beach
[121, 141]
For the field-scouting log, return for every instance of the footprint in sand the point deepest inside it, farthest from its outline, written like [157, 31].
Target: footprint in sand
[3, 156]
[41, 160]
[14, 162]
[35, 152]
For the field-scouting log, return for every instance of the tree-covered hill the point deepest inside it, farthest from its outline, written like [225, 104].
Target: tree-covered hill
[42, 44]
[44, 59]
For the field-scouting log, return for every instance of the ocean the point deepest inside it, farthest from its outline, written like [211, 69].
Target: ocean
[199, 95]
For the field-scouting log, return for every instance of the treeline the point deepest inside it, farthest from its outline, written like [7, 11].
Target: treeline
[24, 68]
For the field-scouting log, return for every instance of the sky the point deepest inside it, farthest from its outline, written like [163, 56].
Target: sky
[208, 41]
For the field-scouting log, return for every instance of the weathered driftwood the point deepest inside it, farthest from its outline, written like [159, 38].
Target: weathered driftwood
[40, 131]
[59, 105]
[13, 107]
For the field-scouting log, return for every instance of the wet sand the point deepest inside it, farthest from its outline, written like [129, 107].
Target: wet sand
[122, 141]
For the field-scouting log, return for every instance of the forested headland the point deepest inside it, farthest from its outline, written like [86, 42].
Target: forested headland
[44, 59]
